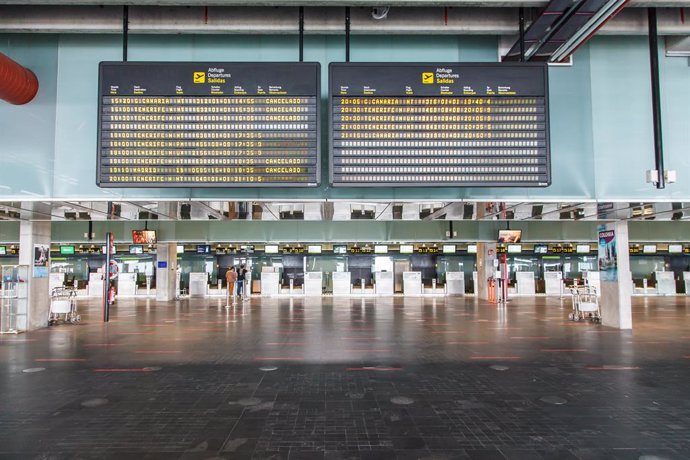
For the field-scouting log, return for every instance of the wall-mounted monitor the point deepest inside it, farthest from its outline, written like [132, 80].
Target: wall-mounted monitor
[514, 248]
[509, 236]
[582, 248]
[271, 249]
[449, 248]
[406, 249]
[339, 249]
[380, 249]
[675, 248]
[649, 249]
[3, 250]
[314, 249]
[203, 249]
[136, 249]
[180, 249]
[143, 237]
[387, 119]
[541, 249]
[66, 250]
[471, 248]
[247, 248]
[254, 113]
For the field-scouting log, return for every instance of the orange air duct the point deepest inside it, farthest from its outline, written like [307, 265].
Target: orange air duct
[18, 85]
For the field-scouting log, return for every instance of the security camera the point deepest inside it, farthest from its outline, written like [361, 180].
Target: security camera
[380, 12]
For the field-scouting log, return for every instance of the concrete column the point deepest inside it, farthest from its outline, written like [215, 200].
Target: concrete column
[166, 271]
[615, 303]
[486, 255]
[35, 233]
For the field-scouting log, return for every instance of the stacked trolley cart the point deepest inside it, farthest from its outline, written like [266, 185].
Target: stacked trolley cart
[585, 304]
[63, 306]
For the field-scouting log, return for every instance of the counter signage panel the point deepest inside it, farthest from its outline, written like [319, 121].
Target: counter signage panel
[451, 124]
[208, 124]
[424, 250]
[358, 250]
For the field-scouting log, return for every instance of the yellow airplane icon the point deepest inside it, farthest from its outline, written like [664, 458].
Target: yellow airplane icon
[199, 77]
[427, 78]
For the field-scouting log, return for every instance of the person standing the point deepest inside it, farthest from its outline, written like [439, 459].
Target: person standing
[240, 282]
[231, 279]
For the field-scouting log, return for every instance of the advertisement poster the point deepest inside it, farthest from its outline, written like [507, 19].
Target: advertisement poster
[608, 257]
[41, 260]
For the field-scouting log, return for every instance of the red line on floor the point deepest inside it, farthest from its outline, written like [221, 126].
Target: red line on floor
[495, 357]
[268, 358]
[349, 369]
[157, 352]
[614, 368]
[134, 369]
[60, 360]
[563, 350]
[367, 350]
[467, 343]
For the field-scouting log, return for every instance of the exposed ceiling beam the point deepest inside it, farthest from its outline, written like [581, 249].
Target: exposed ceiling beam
[257, 20]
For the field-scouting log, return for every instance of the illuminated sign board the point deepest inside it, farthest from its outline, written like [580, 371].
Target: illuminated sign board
[381, 249]
[445, 124]
[425, 250]
[582, 248]
[271, 249]
[649, 249]
[514, 248]
[293, 250]
[67, 250]
[406, 249]
[449, 249]
[208, 124]
[471, 248]
[314, 249]
[359, 250]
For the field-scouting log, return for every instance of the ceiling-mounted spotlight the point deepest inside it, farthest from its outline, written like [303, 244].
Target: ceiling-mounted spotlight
[380, 12]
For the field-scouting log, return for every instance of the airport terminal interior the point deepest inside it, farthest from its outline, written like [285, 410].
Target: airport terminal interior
[345, 230]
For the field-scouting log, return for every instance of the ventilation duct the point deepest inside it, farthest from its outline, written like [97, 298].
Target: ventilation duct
[18, 85]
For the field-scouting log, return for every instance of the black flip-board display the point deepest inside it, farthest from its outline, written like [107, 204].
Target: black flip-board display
[208, 124]
[452, 124]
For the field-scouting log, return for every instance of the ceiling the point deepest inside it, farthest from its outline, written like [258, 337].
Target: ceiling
[339, 211]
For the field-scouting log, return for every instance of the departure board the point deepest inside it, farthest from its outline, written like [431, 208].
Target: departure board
[482, 125]
[208, 124]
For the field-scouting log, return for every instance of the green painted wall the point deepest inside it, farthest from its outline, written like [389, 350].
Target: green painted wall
[600, 114]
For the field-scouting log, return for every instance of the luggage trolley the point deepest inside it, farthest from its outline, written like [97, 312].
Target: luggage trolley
[63, 306]
[585, 304]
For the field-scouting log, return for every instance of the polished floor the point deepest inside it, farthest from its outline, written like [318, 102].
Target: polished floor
[334, 378]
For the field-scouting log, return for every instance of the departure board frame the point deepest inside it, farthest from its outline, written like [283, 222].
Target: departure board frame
[404, 80]
[294, 81]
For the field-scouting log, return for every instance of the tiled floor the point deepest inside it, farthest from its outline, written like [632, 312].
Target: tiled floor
[349, 379]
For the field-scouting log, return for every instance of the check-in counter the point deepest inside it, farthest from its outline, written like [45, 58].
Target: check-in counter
[127, 284]
[412, 283]
[270, 283]
[198, 284]
[686, 280]
[553, 283]
[525, 283]
[665, 283]
[95, 288]
[342, 283]
[56, 280]
[384, 283]
[455, 283]
[313, 282]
